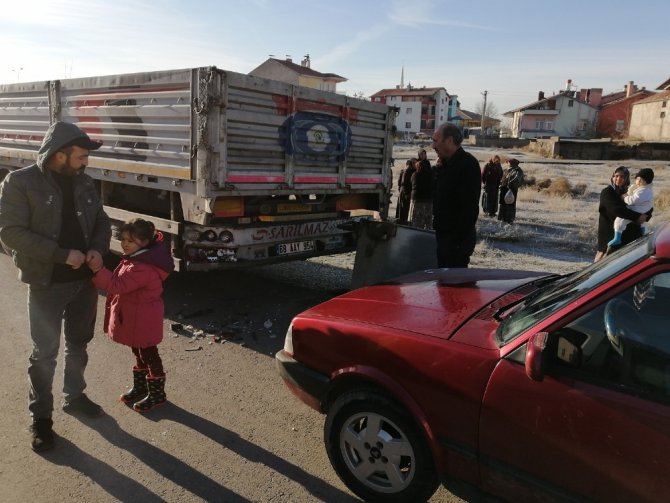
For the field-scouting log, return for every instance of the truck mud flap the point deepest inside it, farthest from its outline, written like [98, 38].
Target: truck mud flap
[385, 250]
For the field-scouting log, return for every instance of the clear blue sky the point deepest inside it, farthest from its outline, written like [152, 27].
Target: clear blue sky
[513, 49]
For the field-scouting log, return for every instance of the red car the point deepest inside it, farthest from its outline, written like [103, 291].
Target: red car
[528, 386]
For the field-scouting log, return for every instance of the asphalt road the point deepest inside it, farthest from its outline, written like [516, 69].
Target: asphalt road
[231, 431]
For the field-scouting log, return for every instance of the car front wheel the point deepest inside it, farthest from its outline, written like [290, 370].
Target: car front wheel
[377, 450]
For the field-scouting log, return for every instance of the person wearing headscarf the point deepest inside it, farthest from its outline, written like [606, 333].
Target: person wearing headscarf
[405, 191]
[511, 182]
[491, 178]
[612, 206]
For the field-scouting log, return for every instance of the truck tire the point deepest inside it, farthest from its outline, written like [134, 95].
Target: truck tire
[377, 450]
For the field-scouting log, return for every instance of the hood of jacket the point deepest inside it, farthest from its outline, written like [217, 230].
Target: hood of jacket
[59, 135]
[156, 255]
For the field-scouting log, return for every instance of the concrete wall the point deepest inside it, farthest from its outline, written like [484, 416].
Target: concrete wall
[599, 149]
[478, 141]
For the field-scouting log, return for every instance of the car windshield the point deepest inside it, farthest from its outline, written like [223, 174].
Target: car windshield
[557, 294]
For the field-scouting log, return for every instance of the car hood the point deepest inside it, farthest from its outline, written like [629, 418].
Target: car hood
[433, 303]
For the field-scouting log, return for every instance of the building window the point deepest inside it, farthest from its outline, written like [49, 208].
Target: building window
[570, 103]
[539, 125]
[408, 125]
[549, 126]
[619, 126]
[662, 115]
[408, 110]
[665, 103]
[581, 125]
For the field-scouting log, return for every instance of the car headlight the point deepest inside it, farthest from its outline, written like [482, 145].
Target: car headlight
[288, 340]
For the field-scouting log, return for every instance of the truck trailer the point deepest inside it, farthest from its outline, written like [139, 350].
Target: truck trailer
[235, 170]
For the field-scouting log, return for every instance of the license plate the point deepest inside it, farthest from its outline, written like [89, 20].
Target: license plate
[297, 247]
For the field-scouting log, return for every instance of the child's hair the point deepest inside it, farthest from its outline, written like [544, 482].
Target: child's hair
[139, 229]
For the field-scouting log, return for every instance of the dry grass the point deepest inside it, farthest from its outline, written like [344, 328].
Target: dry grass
[662, 200]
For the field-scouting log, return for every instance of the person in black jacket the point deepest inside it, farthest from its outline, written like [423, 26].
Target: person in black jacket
[456, 201]
[612, 206]
[491, 177]
[511, 181]
[421, 198]
[53, 221]
[405, 191]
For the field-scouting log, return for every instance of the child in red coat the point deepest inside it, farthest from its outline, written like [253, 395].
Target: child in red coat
[134, 309]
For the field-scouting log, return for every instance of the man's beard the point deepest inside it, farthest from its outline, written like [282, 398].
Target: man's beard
[68, 170]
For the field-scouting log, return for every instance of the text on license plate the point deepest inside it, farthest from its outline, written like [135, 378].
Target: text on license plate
[297, 247]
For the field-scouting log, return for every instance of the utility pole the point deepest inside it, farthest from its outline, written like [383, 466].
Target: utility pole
[483, 115]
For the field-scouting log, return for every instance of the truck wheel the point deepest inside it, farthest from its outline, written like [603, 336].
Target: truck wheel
[377, 450]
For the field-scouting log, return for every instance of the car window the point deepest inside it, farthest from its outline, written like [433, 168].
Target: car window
[560, 293]
[622, 343]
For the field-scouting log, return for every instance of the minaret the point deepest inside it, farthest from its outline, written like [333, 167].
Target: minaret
[402, 77]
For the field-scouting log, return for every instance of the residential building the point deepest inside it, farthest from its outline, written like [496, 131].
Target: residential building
[569, 114]
[420, 110]
[298, 75]
[616, 110]
[650, 117]
[468, 120]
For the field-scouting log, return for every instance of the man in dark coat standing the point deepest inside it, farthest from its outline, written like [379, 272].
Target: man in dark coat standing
[52, 219]
[456, 202]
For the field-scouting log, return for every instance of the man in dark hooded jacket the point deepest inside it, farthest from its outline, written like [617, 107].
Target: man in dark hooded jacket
[52, 220]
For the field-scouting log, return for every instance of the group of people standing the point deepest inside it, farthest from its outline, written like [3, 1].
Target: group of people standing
[500, 189]
[445, 197]
[53, 224]
[415, 192]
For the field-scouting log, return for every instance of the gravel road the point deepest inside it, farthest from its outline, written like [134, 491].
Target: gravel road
[232, 431]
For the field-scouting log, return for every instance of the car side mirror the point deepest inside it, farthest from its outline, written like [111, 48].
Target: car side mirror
[534, 356]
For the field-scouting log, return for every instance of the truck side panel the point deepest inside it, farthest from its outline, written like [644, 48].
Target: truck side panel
[237, 169]
[143, 119]
[293, 137]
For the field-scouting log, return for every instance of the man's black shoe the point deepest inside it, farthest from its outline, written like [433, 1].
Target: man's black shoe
[84, 406]
[42, 436]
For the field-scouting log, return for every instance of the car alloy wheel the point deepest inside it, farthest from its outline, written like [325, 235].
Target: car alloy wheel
[377, 450]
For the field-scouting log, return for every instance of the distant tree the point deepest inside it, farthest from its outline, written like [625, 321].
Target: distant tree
[491, 112]
[506, 126]
[360, 95]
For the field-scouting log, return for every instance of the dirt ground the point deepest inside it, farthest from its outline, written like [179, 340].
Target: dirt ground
[232, 431]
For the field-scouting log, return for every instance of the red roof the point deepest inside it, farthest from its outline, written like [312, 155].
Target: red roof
[663, 95]
[665, 85]
[618, 97]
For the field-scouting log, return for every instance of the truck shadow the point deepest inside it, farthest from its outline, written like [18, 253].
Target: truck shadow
[252, 307]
